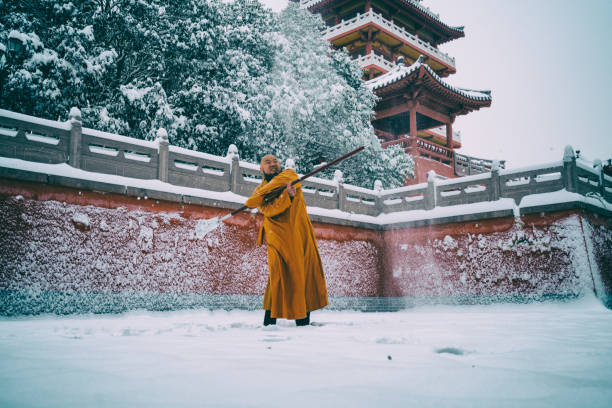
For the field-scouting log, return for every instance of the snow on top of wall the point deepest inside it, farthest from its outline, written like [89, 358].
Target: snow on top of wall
[438, 212]
[474, 177]
[65, 170]
[417, 215]
[450, 211]
[119, 138]
[252, 166]
[587, 165]
[357, 189]
[503, 172]
[35, 120]
[563, 196]
[207, 156]
[405, 189]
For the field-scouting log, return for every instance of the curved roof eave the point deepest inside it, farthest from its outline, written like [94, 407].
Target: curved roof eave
[401, 71]
[457, 31]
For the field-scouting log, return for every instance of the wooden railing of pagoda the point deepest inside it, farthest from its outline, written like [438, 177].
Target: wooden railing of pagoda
[400, 32]
[374, 59]
[468, 165]
[423, 148]
[463, 165]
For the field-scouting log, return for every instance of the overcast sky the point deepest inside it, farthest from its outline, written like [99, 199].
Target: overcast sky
[547, 64]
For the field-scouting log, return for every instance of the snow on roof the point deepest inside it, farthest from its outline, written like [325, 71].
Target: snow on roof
[413, 3]
[402, 71]
[431, 14]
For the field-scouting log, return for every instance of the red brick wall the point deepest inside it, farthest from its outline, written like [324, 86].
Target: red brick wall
[58, 239]
[541, 255]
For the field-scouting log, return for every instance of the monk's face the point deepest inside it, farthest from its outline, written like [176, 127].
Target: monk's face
[270, 165]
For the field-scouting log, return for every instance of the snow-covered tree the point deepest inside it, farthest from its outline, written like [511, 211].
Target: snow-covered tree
[320, 108]
[211, 72]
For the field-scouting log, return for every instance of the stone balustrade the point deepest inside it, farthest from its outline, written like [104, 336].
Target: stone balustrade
[43, 141]
[374, 59]
[359, 20]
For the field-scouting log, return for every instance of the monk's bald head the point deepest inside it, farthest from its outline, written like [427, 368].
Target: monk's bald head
[269, 165]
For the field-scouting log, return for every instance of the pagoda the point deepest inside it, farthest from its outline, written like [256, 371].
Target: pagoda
[396, 43]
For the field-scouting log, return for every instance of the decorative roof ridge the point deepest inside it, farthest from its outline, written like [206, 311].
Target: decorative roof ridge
[415, 3]
[401, 71]
[435, 16]
[398, 72]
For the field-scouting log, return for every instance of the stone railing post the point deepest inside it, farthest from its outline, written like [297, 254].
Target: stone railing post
[598, 165]
[339, 179]
[162, 154]
[235, 179]
[570, 178]
[290, 164]
[378, 187]
[76, 132]
[495, 184]
[430, 193]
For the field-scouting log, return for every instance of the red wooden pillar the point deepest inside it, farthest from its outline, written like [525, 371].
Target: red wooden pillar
[413, 130]
[449, 135]
[367, 6]
[413, 121]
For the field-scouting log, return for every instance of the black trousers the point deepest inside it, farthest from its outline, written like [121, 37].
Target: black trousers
[298, 322]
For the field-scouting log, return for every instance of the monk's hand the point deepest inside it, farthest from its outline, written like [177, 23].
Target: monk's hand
[290, 190]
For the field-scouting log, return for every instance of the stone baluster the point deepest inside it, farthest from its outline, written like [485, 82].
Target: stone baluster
[570, 177]
[290, 164]
[162, 154]
[378, 188]
[76, 132]
[430, 193]
[598, 165]
[235, 176]
[495, 184]
[339, 179]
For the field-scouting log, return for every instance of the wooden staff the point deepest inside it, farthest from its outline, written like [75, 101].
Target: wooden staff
[211, 224]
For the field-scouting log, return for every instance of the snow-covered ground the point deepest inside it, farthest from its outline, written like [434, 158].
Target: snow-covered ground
[534, 355]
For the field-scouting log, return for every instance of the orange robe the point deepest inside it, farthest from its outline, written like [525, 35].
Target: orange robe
[296, 284]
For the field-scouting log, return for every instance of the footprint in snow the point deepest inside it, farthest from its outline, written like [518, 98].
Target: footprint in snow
[273, 338]
[451, 350]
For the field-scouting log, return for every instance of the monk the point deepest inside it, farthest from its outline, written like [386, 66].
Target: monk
[296, 284]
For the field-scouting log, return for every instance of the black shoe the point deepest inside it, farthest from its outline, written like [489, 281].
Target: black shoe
[267, 319]
[303, 322]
